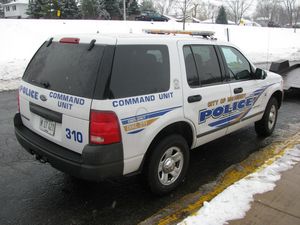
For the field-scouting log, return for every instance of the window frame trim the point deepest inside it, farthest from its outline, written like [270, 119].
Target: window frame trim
[220, 63]
[227, 73]
[107, 94]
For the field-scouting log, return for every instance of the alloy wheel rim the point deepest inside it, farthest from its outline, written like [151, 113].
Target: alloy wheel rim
[272, 117]
[170, 166]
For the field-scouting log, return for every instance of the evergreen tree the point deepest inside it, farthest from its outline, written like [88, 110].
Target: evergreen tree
[69, 9]
[133, 8]
[222, 16]
[35, 8]
[113, 8]
[147, 5]
[50, 8]
[94, 9]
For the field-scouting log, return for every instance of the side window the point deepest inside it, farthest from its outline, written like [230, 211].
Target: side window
[140, 70]
[238, 66]
[190, 67]
[207, 64]
[202, 65]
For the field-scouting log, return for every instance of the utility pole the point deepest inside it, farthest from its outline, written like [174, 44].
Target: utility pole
[184, 13]
[124, 6]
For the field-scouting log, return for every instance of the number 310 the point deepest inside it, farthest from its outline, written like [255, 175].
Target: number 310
[73, 134]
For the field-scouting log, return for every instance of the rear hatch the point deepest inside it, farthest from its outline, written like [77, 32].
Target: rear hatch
[57, 90]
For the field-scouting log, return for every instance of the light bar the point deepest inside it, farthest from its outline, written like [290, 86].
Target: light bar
[194, 33]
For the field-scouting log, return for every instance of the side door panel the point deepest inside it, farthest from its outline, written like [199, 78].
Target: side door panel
[202, 99]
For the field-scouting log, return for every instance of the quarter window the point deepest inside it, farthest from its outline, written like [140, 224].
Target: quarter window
[238, 66]
[140, 70]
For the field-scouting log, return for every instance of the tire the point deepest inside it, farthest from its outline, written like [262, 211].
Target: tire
[167, 164]
[266, 125]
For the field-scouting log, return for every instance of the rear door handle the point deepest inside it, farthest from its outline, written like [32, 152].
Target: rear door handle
[238, 90]
[194, 98]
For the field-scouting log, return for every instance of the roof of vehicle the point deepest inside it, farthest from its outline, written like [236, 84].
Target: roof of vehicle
[139, 37]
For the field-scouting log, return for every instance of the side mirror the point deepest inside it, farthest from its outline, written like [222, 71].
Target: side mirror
[260, 74]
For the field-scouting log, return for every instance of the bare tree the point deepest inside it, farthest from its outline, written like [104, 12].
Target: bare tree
[164, 6]
[267, 9]
[297, 15]
[207, 10]
[184, 6]
[290, 6]
[292, 10]
[196, 5]
[238, 8]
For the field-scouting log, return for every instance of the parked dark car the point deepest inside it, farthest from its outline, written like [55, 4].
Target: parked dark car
[297, 25]
[273, 24]
[151, 16]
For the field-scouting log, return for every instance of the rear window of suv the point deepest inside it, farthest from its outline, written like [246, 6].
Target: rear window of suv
[66, 68]
[140, 70]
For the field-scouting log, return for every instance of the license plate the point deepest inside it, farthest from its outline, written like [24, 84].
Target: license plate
[47, 126]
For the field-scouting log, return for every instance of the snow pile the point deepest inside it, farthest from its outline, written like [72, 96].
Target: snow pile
[20, 39]
[234, 202]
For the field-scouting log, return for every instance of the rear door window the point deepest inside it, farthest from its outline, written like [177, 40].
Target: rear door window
[140, 70]
[202, 65]
[66, 68]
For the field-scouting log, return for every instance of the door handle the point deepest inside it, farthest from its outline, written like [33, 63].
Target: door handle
[238, 90]
[194, 98]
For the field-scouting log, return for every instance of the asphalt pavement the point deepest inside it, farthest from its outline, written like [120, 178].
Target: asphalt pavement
[34, 193]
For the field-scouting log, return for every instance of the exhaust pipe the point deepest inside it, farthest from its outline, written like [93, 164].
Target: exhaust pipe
[42, 159]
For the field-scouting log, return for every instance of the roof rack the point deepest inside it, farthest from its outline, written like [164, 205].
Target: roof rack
[204, 34]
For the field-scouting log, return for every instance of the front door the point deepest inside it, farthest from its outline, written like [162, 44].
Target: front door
[247, 93]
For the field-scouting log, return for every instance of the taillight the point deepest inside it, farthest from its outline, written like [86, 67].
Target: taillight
[69, 40]
[104, 128]
[18, 97]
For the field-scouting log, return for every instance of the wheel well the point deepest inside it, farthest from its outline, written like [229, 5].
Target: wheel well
[181, 128]
[278, 95]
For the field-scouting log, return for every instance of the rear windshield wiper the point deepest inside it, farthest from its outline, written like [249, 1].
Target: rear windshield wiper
[92, 44]
[49, 42]
[44, 84]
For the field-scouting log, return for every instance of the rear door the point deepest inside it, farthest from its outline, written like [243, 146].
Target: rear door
[57, 88]
[204, 90]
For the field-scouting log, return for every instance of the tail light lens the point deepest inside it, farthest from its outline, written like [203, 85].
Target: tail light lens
[104, 128]
[18, 97]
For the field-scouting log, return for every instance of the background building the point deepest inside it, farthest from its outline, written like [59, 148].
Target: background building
[16, 9]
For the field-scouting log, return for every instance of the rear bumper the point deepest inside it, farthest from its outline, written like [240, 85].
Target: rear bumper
[95, 162]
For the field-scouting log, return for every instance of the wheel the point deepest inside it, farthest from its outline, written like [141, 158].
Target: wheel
[266, 125]
[168, 164]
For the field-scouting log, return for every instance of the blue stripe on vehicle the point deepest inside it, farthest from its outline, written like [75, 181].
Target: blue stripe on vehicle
[224, 121]
[136, 131]
[145, 116]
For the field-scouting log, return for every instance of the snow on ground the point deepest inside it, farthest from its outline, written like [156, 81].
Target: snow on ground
[234, 202]
[20, 39]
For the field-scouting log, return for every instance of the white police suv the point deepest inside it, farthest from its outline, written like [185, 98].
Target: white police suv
[103, 106]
